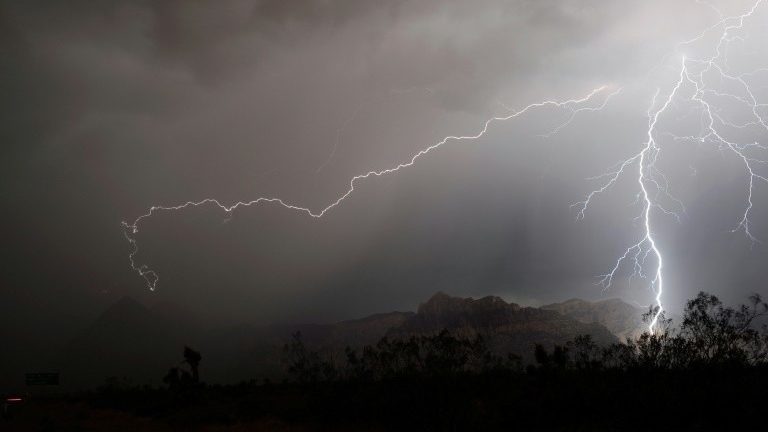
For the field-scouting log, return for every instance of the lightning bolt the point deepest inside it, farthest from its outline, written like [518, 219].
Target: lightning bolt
[653, 195]
[652, 183]
[151, 277]
[647, 174]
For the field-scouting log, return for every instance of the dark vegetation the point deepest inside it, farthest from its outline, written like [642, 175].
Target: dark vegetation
[710, 372]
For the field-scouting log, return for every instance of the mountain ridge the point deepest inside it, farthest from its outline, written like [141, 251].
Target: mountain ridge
[140, 342]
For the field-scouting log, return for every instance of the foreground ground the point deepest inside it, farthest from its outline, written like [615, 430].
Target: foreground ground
[536, 400]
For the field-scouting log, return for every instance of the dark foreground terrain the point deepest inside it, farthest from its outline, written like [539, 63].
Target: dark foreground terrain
[540, 400]
[708, 373]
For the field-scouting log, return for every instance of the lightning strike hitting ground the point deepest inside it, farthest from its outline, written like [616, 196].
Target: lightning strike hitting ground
[651, 179]
[646, 160]
[654, 198]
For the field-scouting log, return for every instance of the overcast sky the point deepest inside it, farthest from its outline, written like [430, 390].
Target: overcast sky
[111, 107]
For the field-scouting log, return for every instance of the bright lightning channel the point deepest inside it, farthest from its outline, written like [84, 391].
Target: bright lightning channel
[650, 178]
[151, 277]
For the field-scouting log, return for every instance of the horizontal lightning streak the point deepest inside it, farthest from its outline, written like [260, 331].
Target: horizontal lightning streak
[151, 277]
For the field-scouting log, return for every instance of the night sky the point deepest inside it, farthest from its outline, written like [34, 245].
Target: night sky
[109, 108]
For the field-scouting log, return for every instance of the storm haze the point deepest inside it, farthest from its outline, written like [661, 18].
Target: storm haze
[114, 107]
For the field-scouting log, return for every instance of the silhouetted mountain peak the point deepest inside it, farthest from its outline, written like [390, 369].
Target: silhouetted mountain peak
[443, 304]
[127, 339]
[439, 299]
[125, 311]
[574, 301]
[506, 326]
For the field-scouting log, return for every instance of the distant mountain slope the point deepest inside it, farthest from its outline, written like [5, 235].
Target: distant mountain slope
[127, 340]
[140, 343]
[131, 340]
[507, 327]
[622, 319]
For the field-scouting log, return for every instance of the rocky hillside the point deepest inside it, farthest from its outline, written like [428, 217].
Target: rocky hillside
[622, 319]
[507, 327]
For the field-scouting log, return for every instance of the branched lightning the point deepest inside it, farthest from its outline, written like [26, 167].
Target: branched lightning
[695, 76]
[653, 184]
[647, 174]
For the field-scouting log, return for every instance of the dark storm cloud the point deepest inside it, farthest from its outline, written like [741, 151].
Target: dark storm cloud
[111, 107]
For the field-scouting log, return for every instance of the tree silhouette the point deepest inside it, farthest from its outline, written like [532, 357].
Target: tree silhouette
[724, 335]
[192, 358]
[179, 378]
[710, 335]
